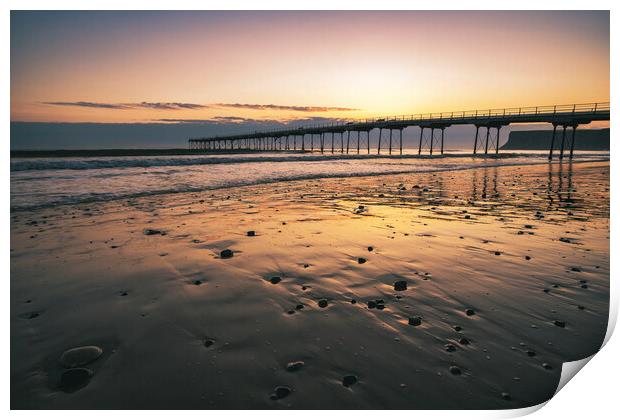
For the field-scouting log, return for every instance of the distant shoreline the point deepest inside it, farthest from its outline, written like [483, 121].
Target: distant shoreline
[121, 152]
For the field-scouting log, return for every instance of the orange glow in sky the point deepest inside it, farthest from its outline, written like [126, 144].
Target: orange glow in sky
[96, 66]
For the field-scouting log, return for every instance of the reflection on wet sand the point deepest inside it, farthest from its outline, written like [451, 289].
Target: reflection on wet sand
[462, 289]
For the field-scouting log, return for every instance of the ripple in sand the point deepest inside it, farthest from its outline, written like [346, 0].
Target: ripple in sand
[74, 379]
[80, 356]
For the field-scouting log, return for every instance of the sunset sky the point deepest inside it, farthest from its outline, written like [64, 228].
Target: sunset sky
[231, 66]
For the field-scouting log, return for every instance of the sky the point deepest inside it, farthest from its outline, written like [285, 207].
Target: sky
[237, 69]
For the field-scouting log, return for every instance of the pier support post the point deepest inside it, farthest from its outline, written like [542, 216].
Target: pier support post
[303, 142]
[432, 139]
[368, 141]
[555, 126]
[497, 141]
[420, 144]
[358, 142]
[379, 145]
[341, 143]
[322, 141]
[476, 140]
[486, 144]
[332, 142]
[348, 140]
[390, 144]
[562, 145]
[572, 143]
[442, 130]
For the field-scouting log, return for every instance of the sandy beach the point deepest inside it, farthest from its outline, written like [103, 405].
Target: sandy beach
[455, 289]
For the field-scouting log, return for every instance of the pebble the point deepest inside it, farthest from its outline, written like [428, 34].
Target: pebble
[470, 312]
[294, 366]
[353, 301]
[275, 280]
[80, 356]
[498, 253]
[349, 380]
[370, 249]
[227, 253]
[464, 341]
[531, 353]
[506, 396]
[361, 260]
[450, 348]
[280, 392]
[547, 366]
[299, 306]
[560, 324]
[455, 370]
[251, 233]
[322, 303]
[400, 285]
[457, 328]
[415, 321]
[74, 379]
[372, 304]
[153, 232]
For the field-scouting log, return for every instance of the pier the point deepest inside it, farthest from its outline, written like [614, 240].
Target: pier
[353, 136]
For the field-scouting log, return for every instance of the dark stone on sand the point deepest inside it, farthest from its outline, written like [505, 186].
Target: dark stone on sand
[322, 303]
[294, 366]
[299, 306]
[372, 304]
[581, 307]
[208, 342]
[153, 232]
[400, 285]
[450, 348]
[547, 366]
[567, 240]
[498, 253]
[576, 269]
[290, 311]
[455, 370]
[197, 282]
[506, 396]
[370, 248]
[80, 356]
[227, 253]
[527, 257]
[546, 290]
[353, 301]
[470, 312]
[275, 280]
[380, 306]
[464, 341]
[280, 392]
[74, 379]
[467, 216]
[124, 293]
[251, 233]
[361, 260]
[560, 324]
[457, 328]
[584, 286]
[349, 380]
[415, 321]
[531, 353]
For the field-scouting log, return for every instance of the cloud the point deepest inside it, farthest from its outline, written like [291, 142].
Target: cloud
[169, 106]
[286, 107]
[242, 120]
[89, 105]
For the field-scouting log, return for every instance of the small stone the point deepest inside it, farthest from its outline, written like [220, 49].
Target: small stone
[280, 392]
[349, 380]
[74, 379]
[547, 366]
[400, 285]
[251, 233]
[370, 249]
[294, 366]
[196, 282]
[275, 280]
[464, 341]
[576, 269]
[457, 328]
[415, 321]
[506, 396]
[546, 290]
[560, 324]
[80, 356]
[527, 257]
[353, 301]
[581, 307]
[498, 253]
[470, 312]
[322, 303]
[299, 306]
[208, 342]
[455, 370]
[227, 253]
[380, 306]
[150, 232]
[450, 348]
[372, 304]
[361, 260]
[531, 353]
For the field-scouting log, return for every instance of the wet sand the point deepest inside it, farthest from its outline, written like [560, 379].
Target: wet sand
[464, 289]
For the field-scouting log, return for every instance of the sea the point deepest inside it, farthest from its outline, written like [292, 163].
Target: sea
[43, 182]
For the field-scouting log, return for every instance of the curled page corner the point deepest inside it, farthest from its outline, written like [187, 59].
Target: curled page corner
[569, 370]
